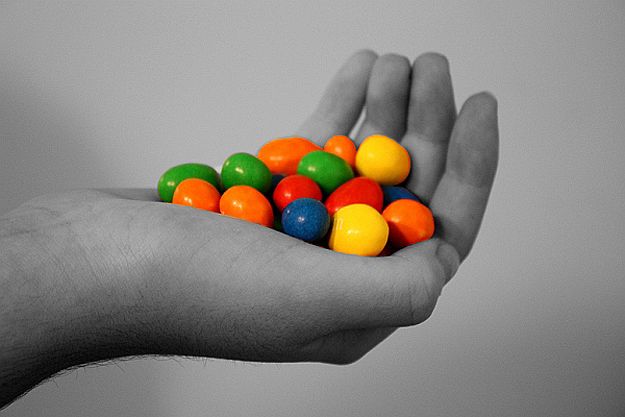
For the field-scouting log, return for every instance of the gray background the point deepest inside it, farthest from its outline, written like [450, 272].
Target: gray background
[111, 94]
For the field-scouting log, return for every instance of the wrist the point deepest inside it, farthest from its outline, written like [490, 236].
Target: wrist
[68, 298]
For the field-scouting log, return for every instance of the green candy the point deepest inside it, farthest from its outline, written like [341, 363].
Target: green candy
[173, 176]
[245, 169]
[327, 170]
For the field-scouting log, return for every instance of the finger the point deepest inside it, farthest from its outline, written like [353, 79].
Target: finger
[431, 116]
[387, 98]
[344, 347]
[460, 199]
[342, 102]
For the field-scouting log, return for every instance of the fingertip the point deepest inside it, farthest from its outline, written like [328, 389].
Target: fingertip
[365, 55]
[478, 124]
[392, 62]
[357, 67]
[483, 103]
[432, 59]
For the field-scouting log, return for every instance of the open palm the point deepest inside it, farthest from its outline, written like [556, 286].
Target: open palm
[126, 275]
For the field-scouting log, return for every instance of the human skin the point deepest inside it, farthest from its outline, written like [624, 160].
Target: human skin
[94, 275]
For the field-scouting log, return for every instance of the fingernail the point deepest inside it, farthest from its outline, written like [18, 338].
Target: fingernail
[449, 258]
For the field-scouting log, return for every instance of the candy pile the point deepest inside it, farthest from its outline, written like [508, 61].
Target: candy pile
[312, 193]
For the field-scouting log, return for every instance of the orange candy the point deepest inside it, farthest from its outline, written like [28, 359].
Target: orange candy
[197, 193]
[246, 203]
[283, 155]
[409, 222]
[343, 147]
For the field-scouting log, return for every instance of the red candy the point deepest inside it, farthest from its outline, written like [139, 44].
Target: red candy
[357, 190]
[293, 187]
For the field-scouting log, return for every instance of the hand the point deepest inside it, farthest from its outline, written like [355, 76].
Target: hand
[95, 275]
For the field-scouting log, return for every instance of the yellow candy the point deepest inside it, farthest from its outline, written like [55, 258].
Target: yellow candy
[358, 229]
[383, 160]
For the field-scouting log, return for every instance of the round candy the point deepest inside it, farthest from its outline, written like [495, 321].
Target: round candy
[173, 176]
[357, 190]
[383, 160]
[409, 222]
[283, 155]
[245, 169]
[358, 229]
[197, 193]
[326, 169]
[294, 187]
[394, 192]
[306, 219]
[343, 147]
[246, 203]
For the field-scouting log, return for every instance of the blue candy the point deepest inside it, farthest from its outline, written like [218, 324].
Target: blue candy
[306, 219]
[393, 192]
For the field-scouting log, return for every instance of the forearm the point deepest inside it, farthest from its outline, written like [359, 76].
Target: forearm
[52, 317]
[27, 331]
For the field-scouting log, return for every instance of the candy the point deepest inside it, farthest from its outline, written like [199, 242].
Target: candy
[409, 222]
[197, 193]
[175, 175]
[306, 219]
[285, 186]
[343, 147]
[245, 169]
[326, 169]
[394, 192]
[383, 160]
[246, 203]
[357, 190]
[358, 229]
[293, 187]
[283, 155]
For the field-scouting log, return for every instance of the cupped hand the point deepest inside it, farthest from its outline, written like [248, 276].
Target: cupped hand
[117, 273]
